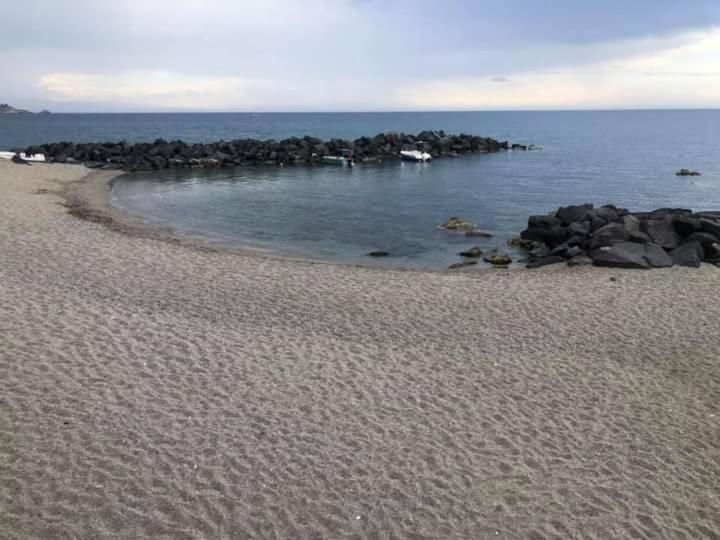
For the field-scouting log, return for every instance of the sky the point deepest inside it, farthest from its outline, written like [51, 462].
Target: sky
[359, 55]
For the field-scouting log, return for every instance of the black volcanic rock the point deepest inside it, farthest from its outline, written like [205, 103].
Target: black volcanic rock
[616, 237]
[690, 254]
[662, 232]
[612, 233]
[710, 226]
[545, 261]
[686, 225]
[308, 150]
[631, 255]
[570, 214]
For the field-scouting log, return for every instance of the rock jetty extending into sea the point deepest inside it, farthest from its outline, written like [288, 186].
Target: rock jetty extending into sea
[162, 154]
[614, 237]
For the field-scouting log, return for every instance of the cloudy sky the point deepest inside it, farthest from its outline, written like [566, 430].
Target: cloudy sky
[355, 55]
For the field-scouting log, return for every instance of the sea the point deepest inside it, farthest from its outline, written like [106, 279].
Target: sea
[339, 214]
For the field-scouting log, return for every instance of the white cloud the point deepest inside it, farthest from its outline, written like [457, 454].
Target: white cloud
[352, 55]
[152, 88]
[667, 78]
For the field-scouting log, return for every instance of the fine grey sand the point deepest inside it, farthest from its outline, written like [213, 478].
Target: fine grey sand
[156, 389]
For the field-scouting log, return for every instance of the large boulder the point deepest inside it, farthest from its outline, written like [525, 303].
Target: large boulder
[686, 225]
[710, 226]
[639, 237]
[551, 237]
[571, 214]
[690, 254]
[458, 224]
[539, 252]
[631, 224]
[473, 252]
[498, 259]
[704, 238]
[606, 213]
[579, 228]
[543, 222]
[597, 223]
[631, 255]
[662, 233]
[580, 260]
[545, 261]
[609, 234]
[712, 252]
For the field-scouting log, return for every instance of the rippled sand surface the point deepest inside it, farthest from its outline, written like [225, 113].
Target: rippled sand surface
[153, 389]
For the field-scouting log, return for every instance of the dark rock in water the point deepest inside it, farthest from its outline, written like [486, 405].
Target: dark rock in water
[689, 254]
[378, 253]
[498, 259]
[478, 233]
[545, 261]
[570, 214]
[687, 172]
[609, 234]
[631, 255]
[685, 225]
[528, 245]
[710, 226]
[458, 224]
[461, 265]
[580, 260]
[662, 232]
[473, 252]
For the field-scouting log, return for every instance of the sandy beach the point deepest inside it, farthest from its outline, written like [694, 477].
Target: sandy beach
[153, 388]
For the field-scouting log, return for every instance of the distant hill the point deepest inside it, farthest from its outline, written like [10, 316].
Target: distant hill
[7, 109]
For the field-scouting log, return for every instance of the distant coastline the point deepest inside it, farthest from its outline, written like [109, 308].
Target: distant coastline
[9, 109]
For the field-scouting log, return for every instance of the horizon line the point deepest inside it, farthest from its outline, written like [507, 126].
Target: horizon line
[387, 111]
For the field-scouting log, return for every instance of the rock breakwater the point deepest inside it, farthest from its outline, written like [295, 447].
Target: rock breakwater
[163, 154]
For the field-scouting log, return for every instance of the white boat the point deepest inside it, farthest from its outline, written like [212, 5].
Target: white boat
[415, 155]
[338, 160]
[23, 155]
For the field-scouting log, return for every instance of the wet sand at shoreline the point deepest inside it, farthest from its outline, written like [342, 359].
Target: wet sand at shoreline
[152, 388]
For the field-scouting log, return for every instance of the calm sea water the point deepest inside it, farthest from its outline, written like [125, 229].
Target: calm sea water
[626, 158]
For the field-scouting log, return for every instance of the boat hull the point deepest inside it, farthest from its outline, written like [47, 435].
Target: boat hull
[415, 156]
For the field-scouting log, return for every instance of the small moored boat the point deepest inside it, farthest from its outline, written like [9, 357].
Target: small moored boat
[415, 155]
[418, 154]
[23, 156]
[345, 159]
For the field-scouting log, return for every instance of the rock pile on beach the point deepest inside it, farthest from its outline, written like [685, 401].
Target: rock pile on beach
[162, 154]
[614, 237]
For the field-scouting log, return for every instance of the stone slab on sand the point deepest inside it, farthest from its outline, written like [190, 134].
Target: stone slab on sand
[156, 389]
